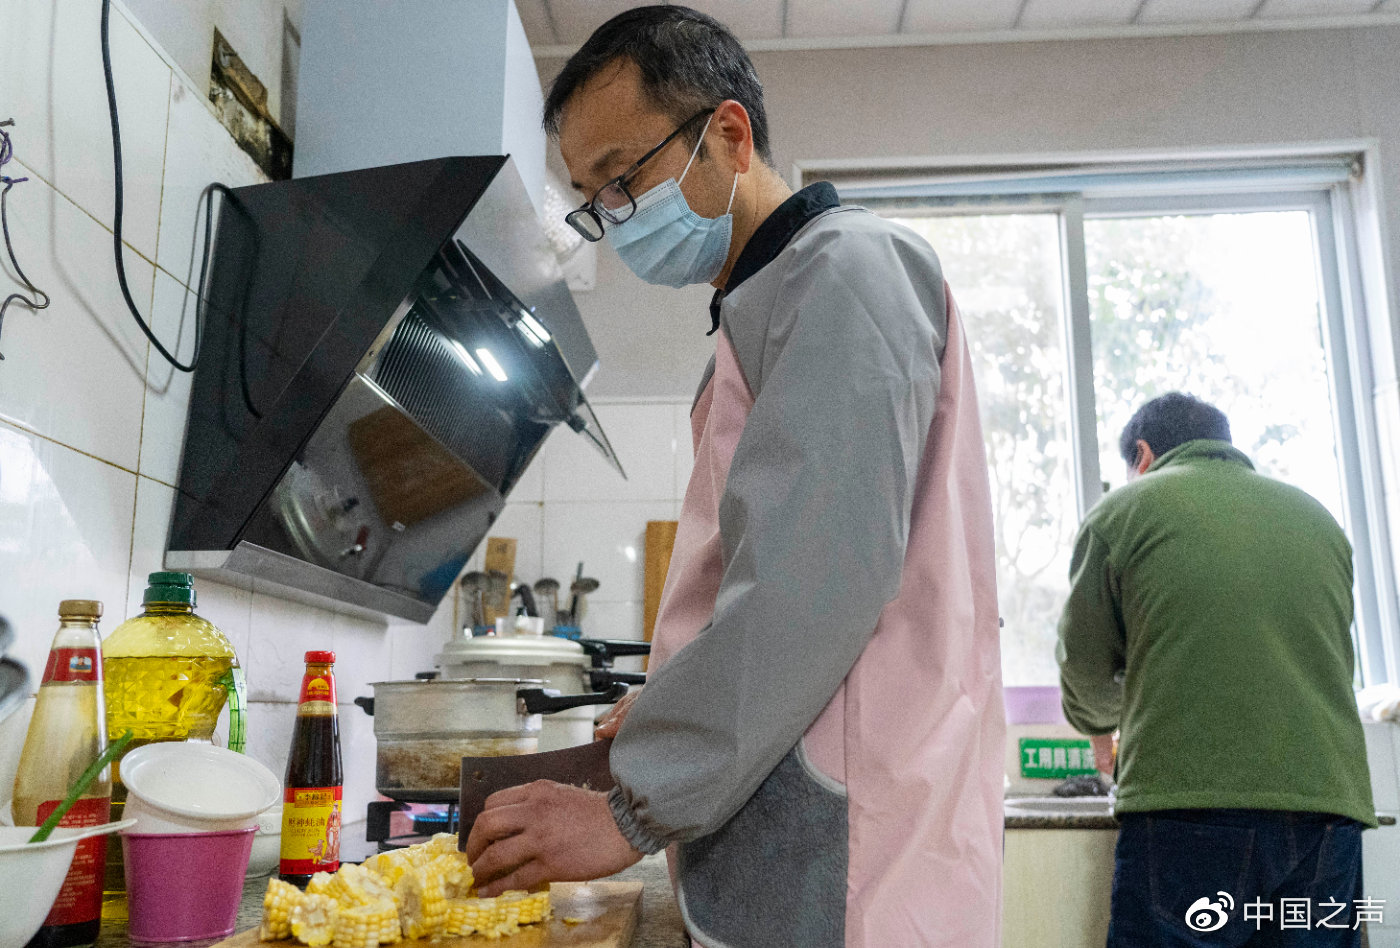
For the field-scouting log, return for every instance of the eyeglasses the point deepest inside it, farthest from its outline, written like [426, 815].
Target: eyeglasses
[613, 202]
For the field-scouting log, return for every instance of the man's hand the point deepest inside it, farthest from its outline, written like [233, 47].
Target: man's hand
[1105, 751]
[612, 721]
[545, 832]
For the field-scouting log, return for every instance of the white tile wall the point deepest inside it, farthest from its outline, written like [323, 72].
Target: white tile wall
[51, 84]
[91, 420]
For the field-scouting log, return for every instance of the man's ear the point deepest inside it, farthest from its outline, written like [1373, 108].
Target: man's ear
[1145, 457]
[732, 121]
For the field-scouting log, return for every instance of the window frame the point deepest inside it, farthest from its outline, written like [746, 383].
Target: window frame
[1173, 188]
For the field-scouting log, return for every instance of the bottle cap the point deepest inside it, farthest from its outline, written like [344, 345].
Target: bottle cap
[80, 609]
[320, 658]
[169, 587]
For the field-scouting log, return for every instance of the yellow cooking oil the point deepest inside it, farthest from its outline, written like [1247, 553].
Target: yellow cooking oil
[165, 678]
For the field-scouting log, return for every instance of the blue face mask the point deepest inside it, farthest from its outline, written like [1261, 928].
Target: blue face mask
[666, 243]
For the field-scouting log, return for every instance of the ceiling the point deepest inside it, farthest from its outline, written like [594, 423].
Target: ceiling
[557, 27]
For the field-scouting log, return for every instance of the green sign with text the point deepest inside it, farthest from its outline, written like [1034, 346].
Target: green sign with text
[1056, 758]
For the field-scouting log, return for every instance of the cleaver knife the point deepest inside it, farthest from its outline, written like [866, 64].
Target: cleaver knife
[583, 766]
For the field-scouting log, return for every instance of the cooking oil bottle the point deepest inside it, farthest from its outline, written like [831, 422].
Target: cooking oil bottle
[66, 734]
[167, 673]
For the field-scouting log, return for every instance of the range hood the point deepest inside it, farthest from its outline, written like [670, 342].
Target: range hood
[384, 352]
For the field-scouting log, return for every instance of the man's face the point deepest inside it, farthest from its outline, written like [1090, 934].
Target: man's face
[607, 124]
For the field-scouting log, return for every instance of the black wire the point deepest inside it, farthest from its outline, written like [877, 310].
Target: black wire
[117, 215]
[6, 152]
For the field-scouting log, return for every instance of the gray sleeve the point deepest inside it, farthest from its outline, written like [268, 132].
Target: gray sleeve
[1092, 643]
[814, 521]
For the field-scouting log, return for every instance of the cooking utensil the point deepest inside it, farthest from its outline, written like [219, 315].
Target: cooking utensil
[527, 599]
[581, 588]
[474, 587]
[497, 594]
[425, 728]
[547, 591]
[583, 766]
[80, 786]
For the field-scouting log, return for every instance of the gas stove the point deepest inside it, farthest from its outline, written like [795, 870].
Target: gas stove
[393, 825]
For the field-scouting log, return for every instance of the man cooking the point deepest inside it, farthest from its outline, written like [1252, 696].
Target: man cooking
[820, 741]
[1209, 618]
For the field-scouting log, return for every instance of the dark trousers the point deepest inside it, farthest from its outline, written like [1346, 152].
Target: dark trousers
[1236, 878]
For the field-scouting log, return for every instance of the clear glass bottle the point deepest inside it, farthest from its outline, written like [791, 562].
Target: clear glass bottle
[311, 808]
[66, 734]
[168, 672]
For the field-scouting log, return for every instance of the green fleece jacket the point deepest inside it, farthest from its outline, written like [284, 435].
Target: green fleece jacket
[1209, 618]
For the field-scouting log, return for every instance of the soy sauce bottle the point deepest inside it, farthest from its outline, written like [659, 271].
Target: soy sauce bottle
[67, 733]
[311, 809]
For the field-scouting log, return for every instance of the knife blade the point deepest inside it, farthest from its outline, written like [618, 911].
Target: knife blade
[583, 766]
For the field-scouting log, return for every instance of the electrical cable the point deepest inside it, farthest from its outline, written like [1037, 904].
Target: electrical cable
[6, 153]
[117, 216]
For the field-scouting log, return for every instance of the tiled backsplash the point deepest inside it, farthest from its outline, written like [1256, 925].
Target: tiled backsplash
[91, 419]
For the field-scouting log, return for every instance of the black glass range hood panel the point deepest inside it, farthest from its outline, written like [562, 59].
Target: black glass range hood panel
[384, 353]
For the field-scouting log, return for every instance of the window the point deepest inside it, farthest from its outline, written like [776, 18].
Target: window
[1088, 291]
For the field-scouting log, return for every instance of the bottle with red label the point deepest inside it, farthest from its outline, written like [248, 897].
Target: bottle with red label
[311, 813]
[67, 733]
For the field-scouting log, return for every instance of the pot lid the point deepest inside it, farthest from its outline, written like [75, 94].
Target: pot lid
[512, 650]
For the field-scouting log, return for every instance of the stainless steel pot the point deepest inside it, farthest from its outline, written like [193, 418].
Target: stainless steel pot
[571, 667]
[425, 727]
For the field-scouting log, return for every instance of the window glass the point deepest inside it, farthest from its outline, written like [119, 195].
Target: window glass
[1225, 307]
[1005, 273]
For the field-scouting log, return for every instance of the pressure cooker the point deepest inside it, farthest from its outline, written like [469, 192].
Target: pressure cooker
[423, 728]
[572, 667]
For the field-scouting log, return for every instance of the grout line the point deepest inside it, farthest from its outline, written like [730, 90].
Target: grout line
[1020, 12]
[164, 165]
[131, 547]
[903, 16]
[1255, 12]
[1141, 9]
[88, 454]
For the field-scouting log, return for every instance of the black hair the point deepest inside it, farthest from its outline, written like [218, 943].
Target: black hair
[689, 62]
[1169, 421]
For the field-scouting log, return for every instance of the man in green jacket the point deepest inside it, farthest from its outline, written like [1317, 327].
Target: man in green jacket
[1209, 621]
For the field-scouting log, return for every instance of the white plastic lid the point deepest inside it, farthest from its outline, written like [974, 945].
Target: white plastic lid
[199, 780]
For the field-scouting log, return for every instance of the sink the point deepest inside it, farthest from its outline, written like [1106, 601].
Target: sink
[1076, 806]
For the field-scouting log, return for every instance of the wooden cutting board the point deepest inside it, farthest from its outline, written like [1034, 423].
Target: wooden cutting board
[605, 916]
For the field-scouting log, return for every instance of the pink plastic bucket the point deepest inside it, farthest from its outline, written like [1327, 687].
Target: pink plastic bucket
[184, 886]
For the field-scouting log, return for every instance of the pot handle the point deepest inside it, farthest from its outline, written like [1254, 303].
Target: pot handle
[599, 678]
[367, 704]
[539, 701]
[613, 648]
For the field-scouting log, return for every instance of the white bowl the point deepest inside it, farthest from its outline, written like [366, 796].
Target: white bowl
[176, 787]
[267, 843]
[32, 873]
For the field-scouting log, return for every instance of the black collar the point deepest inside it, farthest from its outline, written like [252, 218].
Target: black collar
[773, 235]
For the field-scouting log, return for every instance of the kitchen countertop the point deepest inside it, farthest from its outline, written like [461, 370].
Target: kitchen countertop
[1032, 821]
[660, 925]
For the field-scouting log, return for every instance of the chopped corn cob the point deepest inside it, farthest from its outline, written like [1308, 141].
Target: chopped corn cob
[442, 844]
[468, 916]
[422, 904]
[389, 866]
[351, 885]
[278, 902]
[367, 926]
[532, 906]
[313, 920]
[456, 874]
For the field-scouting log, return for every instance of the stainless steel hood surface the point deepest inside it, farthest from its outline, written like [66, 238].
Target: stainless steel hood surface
[384, 353]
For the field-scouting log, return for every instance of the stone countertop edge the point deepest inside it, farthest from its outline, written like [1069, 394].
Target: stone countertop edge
[660, 925]
[1061, 821]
